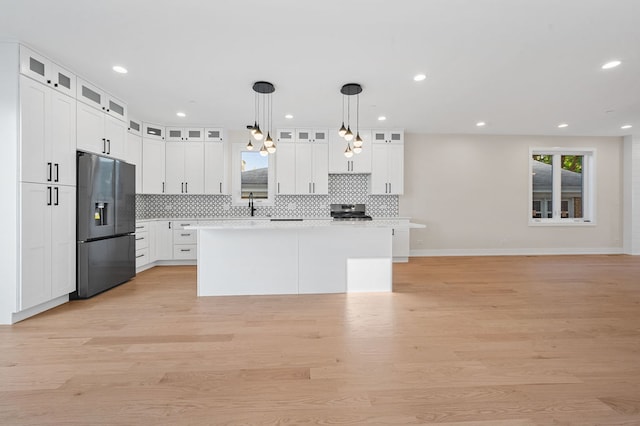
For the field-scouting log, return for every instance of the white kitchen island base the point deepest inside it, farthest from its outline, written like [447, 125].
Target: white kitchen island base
[293, 258]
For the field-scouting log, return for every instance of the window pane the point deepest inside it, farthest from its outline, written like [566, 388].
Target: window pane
[254, 176]
[571, 183]
[542, 171]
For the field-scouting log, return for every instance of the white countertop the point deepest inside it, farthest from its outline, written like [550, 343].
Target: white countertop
[267, 223]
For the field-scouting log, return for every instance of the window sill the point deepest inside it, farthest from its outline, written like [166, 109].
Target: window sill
[565, 222]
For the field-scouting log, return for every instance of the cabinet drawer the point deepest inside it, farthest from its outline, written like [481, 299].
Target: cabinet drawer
[142, 240]
[182, 236]
[142, 226]
[142, 257]
[180, 224]
[185, 251]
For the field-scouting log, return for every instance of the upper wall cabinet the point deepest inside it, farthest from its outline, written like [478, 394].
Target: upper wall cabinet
[100, 133]
[358, 163]
[43, 70]
[388, 136]
[213, 134]
[97, 98]
[152, 131]
[192, 134]
[307, 135]
[135, 127]
[286, 135]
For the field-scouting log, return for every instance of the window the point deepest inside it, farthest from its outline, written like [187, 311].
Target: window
[561, 186]
[252, 174]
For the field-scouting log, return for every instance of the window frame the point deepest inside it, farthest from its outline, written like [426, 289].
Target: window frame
[236, 185]
[588, 187]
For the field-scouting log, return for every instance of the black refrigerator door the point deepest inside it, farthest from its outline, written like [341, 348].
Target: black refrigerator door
[96, 207]
[125, 198]
[104, 264]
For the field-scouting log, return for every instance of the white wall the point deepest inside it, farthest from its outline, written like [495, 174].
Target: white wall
[9, 179]
[472, 192]
[632, 195]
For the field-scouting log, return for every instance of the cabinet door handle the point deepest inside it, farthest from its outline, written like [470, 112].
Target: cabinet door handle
[169, 225]
[49, 172]
[48, 195]
[140, 227]
[314, 187]
[48, 81]
[185, 235]
[141, 238]
[309, 187]
[389, 187]
[186, 187]
[57, 172]
[185, 249]
[57, 196]
[182, 187]
[278, 187]
[104, 145]
[55, 84]
[221, 187]
[139, 256]
[163, 187]
[185, 224]
[109, 146]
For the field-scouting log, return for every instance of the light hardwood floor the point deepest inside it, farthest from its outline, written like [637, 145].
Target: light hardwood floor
[464, 341]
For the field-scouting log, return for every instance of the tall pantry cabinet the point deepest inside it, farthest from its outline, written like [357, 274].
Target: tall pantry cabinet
[38, 121]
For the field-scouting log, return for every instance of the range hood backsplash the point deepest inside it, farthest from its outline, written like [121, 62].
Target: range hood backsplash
[342, 189]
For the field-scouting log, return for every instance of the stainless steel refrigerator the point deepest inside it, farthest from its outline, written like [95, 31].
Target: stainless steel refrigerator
[105, 224]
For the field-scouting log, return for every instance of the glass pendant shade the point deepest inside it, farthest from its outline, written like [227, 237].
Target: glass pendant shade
[342, 131]
[268, 142]
[254, 128]
[357, 149]
[263, 151]
[250, 146]
[357, 143]
[349, 135]
[271, 149]
[348, 152]
[258, 134]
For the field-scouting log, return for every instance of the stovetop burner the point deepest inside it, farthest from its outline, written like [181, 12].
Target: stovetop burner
[351, 212]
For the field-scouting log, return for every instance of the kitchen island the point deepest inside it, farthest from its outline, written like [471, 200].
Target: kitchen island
[263, 256]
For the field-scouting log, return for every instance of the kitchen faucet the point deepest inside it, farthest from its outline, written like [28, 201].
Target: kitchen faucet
[251, 208]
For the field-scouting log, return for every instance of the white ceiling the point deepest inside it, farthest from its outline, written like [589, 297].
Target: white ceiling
[523, 66]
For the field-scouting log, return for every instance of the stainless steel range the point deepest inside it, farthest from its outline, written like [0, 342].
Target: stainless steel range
[349, 212]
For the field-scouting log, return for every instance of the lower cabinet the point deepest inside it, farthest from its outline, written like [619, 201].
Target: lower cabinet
[48, 243]
[162, 241]
[400, 245]
[185, 241]
[142, 243]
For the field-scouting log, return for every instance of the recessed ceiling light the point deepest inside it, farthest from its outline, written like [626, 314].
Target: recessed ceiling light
[382, 118]
[119, 69]
[419, 77]
[288, 116]
[562, 125]
[626, 126]
[481, 123]
[181, 114]
[610, 65]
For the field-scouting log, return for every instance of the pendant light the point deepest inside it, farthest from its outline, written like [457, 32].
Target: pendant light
[263, 151]
[343, 130]
[350, 89]
[250, 146]
[263, 89]
[358, 142]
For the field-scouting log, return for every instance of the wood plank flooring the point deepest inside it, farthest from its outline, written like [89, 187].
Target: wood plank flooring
[549, 340]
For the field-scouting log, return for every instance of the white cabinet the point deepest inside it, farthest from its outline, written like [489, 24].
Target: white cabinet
[135, 127]
[388, 169]
[48, 246]
[286, 135]
[312, 135]
[358, 163]
[99, 99]
[133, 155]
[152, 131]
[215, 169]
[48, 134]
[153, 166]
[285, 157]
[161, 240]
[400, 244]
[184, 241]
[193, 134]
[388, 136]
[312, 168]
[49, 73]
[184, 167]
[100, 133]
[213, 134]
[142, 243]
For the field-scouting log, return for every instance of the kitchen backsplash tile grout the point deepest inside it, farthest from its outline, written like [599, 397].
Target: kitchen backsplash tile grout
[342, 189]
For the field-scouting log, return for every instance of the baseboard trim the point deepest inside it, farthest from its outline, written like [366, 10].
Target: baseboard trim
[517, 252]
[38, 309]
